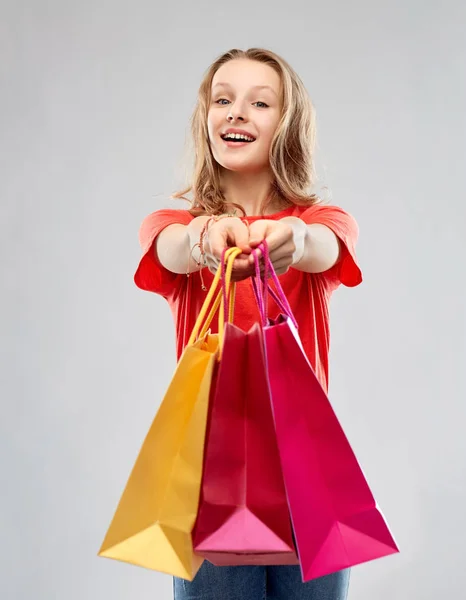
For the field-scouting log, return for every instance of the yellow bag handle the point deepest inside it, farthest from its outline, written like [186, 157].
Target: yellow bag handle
[230, 292]
[197, 332]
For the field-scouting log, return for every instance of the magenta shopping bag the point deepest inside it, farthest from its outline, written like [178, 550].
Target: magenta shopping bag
[337, 522]
[243, 516]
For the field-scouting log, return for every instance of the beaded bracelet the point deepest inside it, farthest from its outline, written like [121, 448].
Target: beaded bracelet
[202, 258]
[198, 263]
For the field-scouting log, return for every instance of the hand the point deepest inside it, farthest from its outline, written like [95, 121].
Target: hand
[226, 233]
[285, 241]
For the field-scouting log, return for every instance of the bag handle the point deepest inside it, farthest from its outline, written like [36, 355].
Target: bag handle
[202, 323]
[227, 293]
[261, 287]
[228, 287]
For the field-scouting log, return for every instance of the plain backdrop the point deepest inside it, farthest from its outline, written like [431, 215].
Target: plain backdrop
[95, 102]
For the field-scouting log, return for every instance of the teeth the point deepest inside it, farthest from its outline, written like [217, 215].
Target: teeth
[237, 136]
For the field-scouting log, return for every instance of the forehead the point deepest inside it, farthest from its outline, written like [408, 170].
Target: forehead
[245, 74]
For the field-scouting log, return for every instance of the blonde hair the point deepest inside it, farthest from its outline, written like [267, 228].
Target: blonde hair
[291, 153]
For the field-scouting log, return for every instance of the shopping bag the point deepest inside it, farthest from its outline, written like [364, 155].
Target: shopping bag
[336, 520]
[243, 514]
[152, 525]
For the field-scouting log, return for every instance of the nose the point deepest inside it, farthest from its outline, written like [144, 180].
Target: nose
[235, 115]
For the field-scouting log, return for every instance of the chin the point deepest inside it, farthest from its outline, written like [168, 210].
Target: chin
[242, 166]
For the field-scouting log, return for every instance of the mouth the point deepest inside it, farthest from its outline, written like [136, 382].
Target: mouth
[237, 140]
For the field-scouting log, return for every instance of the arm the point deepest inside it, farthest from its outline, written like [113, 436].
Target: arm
[311, 248]
[173, 246]
[317, 246]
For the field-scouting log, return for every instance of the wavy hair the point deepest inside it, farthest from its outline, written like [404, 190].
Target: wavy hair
[291, 153]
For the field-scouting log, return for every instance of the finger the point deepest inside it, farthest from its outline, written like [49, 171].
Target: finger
[286, 249]
[282, 270]
[240, 274]
[238, 235]
[241, 263]
[281, 266]
[284, 252]
[258, 232]
[278, 238]
[240, 277]
[257, 252]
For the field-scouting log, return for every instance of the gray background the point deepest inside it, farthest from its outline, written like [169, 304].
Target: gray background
[95, 100]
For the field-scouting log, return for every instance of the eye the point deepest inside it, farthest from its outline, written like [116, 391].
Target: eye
[264, 105]
[221, 101]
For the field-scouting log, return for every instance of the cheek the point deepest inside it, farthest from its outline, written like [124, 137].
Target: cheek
[212, 126]
[266, 140]
[268, 129]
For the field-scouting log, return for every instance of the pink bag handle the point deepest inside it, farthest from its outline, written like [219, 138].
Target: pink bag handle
[261, 290]
[261, 297]
[261, 287]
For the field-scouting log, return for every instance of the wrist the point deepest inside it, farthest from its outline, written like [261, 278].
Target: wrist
[193, 236]
[194, 229]
[300, 236]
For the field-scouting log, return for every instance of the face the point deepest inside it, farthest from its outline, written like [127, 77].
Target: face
[246, 96]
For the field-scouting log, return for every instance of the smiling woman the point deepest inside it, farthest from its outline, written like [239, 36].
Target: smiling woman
[254, 133]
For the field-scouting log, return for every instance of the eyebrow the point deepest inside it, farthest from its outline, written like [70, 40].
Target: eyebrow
[255, 87]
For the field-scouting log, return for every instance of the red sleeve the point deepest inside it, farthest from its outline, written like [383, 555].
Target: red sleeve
[345, 227]
[150, 274]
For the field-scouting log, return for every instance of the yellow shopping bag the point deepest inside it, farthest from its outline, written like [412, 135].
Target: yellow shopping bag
[154, 519]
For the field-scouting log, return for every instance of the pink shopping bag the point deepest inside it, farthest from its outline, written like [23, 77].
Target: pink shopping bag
[337, 522]
[243, 516]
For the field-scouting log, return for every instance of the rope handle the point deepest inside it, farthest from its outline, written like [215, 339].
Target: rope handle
[204, 319]
[261, 287]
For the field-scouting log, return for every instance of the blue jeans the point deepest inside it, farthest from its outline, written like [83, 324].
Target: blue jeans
[260, 583]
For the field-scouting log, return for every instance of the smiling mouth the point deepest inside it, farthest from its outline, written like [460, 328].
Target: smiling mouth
[236, 140]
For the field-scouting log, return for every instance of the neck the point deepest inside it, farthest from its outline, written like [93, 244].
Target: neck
[250, 190]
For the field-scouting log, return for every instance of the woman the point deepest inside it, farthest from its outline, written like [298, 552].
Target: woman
[254, 132]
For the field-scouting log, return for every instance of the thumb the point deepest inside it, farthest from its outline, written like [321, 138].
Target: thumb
[239, 236]
[216, 240]
[258, 234]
